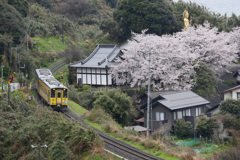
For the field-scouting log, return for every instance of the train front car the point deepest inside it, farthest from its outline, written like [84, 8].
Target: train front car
[59, 98]
[51, 90]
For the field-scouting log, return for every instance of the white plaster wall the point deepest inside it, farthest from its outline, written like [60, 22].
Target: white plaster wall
[234, 93]
[227, 95]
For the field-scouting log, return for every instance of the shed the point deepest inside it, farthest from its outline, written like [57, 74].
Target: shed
[139, 129]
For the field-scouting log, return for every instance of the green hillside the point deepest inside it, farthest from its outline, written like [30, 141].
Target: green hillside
[38, 33]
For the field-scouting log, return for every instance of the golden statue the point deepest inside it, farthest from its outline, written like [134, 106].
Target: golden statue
[186, 20]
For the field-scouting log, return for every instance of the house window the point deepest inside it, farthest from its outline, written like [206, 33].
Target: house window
[238, 95]
[174, 115]
[184, 113]
[159, 116]
[179, 114]
[198, 111]
[188, 112]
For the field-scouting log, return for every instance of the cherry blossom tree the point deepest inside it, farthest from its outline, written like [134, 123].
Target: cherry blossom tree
[174, 57]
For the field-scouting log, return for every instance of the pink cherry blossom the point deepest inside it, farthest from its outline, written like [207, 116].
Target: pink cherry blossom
[174, 57]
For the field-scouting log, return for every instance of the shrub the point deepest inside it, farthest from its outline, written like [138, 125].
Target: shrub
[58, 150]
[98, 115]
[230, 106]
[205, 126]
[232, 154]
[21, 6]
[76, 8]
[231, 122]
[183, 129]
[66, 140]
[86, 87]
[73, 54]
[116, 103]
[44, 3]
[162, 132]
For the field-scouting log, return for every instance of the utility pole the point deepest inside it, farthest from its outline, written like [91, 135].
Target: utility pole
[2, 75]
[9, 90]
[27, 34]
[19, 64]
[148, 105]
[62, 32]
[148, 101]
[39, 149]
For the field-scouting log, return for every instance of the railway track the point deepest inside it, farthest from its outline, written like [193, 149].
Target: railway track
[118, 147]
[56, 66]
[113, 145]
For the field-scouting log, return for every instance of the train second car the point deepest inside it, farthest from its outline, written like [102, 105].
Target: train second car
[51, 90]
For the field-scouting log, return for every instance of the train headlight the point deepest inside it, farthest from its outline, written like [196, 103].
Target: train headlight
[64, 102]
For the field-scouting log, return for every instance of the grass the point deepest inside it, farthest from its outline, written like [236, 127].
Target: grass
[28, 122]
[80, 110]
[48, 44]
[65, 73]
[153, 151]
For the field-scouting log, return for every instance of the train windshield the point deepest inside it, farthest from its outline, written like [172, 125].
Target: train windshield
[59, 94]
[53, 93]
[65, 93]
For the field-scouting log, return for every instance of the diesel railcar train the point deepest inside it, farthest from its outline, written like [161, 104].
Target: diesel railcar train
[51, 90]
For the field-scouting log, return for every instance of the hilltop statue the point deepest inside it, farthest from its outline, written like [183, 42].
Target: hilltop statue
[186, 20]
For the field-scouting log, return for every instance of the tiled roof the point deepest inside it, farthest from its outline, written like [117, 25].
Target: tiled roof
[102, 56]
[231, 89]
[182, 99]
[179, 99]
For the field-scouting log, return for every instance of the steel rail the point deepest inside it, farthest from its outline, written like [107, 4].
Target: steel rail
[140, 155]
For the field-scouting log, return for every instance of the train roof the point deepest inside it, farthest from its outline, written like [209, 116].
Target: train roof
[46, 76]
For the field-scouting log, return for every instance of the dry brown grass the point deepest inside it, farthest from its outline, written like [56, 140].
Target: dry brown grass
[111, 128]
[151, 142]
[97, 150]
[157, 141]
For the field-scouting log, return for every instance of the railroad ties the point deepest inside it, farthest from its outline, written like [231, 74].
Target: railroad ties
[120, 148]
[115, 146]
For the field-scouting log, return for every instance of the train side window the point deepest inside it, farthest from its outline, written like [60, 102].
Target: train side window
[64, 93]
[59, 94]
[53, 93]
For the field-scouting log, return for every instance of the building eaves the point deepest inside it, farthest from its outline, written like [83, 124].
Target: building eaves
[231, 89]
[178, 99]
[101, 57]
[179, 105]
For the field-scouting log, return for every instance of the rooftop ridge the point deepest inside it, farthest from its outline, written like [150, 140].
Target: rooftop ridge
[189, 104]
[102, 61]
[92, 54]
[70, 65]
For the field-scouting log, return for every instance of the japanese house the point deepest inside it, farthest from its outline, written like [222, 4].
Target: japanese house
[232, 93]
[167, 107]
[94, 70]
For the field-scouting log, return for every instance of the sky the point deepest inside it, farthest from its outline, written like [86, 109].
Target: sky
[220, 6]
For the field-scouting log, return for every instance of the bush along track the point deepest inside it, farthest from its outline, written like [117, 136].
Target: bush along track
[116, 146]
[32, 124]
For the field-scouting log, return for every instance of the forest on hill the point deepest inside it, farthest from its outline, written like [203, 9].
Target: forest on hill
[55, 26]
[37, 33]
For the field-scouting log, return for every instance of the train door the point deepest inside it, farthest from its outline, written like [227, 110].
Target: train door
[59, 97]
